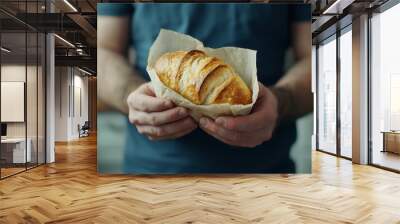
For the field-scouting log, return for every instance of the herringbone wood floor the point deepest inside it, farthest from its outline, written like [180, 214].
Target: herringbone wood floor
[70, 191]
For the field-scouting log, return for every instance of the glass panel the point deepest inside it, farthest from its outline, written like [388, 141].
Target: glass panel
[23, 90]
[385, 84]
[345, 94]
[31, 100]
[41, 99]
[32, 87]
[13, 86]
[327, 96]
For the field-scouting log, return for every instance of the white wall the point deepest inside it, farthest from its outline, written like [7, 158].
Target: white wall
[62, 81]
[70, 83]
[79, 117]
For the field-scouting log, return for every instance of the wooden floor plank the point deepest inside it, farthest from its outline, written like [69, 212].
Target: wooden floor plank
[70, 191]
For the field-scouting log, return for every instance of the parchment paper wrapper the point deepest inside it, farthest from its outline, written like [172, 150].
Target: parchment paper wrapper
[242, 60]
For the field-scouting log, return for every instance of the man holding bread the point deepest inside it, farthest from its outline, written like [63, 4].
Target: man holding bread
[163, 137]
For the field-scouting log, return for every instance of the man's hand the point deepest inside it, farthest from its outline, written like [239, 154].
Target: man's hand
[158, 118]
[248, 130]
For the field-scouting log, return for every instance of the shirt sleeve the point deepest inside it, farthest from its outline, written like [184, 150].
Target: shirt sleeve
[300, 13]
[114, 9]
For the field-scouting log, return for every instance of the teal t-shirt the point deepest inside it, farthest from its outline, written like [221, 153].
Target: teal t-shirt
[262, 27]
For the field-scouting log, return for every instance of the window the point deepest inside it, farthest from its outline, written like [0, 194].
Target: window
[345, 94]
[385, 89]
[327, 95]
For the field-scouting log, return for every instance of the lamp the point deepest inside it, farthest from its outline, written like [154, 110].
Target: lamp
[65, 41]
[70, 5]
[5, 49]
[337, 7]
[84, 71]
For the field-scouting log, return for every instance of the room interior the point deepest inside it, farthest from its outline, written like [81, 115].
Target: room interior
[49, 173]
[22, 102]
[28, 101]
[332, 52]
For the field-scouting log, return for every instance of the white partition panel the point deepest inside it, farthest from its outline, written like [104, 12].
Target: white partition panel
[12, 101]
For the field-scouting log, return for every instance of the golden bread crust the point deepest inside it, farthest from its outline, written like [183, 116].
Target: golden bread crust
[202, 79]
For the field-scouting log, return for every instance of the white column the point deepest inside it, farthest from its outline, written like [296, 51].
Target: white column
[360, 90]
[50, 92]
[50, 100]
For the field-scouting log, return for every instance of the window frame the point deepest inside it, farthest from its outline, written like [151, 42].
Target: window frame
[32, 30]
[378, 10]
[347, 27]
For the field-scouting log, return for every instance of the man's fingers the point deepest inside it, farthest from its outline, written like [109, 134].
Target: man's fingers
[256, 120]
[145, 103]
[260, 117]
[209, 125]
[167, 129]
[144, 99]
[210, 128]
[158, 118]
[231, 137]
[224, 135]
[147, 89]
[244, 123]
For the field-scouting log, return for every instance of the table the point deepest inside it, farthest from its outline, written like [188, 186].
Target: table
[391, 141]
[16, 147]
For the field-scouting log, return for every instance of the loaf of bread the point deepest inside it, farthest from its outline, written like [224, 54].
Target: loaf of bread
[202, 79]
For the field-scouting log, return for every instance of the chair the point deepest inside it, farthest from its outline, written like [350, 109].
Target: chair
[84, 130]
